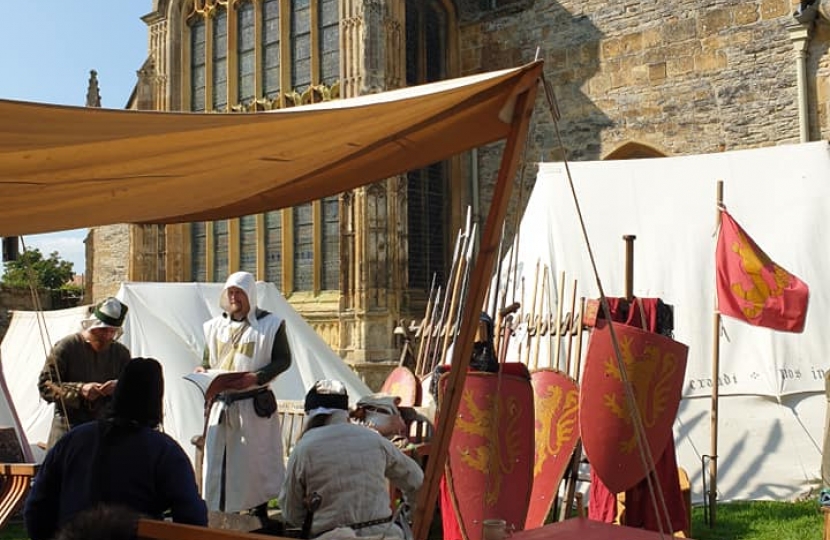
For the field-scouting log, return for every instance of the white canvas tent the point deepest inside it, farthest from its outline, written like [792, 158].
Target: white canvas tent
[772, 404]
[165, 322]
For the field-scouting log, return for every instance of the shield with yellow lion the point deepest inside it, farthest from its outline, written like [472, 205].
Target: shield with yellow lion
[556, 405]
[489, 467]
[654, 366]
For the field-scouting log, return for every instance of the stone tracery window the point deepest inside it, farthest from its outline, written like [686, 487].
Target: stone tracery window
[428, 25]
[255, 54]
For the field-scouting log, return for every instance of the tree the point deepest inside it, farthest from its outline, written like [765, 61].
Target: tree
[49, 273]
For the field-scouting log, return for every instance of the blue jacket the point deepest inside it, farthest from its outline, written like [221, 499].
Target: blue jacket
[141, 468]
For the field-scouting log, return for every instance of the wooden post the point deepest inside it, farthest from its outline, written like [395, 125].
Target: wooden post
[482, 271]
[629, 266]
[560, 300]
[713, 452]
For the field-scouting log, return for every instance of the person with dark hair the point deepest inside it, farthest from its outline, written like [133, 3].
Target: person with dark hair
[347, 465]
[243, 456]
[102, 522]
[82, 369]
[123, 459]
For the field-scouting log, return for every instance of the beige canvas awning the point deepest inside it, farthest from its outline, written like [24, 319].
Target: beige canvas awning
[66, 168]
[70, 167]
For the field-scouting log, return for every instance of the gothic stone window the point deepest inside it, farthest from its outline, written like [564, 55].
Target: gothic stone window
[247, 55]
[428, 25]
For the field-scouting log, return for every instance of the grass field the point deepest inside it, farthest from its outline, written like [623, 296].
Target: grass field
[735, 521]
[761, 520]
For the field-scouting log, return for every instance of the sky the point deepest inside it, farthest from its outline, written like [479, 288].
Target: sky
[47, 49]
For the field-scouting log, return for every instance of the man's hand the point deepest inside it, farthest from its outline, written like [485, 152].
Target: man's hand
[199, 369]
[91, 391]
[243, 382]
[108, 387]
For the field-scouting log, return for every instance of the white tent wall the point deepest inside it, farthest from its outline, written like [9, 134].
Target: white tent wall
[772, 404]
[165, 322]
[27, 341]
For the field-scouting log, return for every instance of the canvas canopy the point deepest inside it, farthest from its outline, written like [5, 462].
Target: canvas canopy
[69, 167]
[165, 322]
[772, 404]
[64, 168]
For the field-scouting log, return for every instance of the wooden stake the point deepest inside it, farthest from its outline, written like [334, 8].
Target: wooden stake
[483, 270]
[570, 327]
[532, 315]
[560, 301]
[539, 318]
[712, 496]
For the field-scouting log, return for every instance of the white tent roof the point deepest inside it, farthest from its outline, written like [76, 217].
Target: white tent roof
[165, 322]
[772, 404]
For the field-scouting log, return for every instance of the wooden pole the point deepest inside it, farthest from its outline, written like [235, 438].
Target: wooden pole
[531, 322]
[559, 302]
[426, 328]
[482, 271]
[495, 293]
[540, 317]
[580, 325]
[713, 453]
[572, 321]
[629, 266]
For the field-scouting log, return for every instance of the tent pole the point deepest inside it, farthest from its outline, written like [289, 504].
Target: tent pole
[713, 452]
[629, 266]
[480, 280]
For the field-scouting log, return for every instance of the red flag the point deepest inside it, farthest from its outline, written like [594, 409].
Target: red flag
[752, 288]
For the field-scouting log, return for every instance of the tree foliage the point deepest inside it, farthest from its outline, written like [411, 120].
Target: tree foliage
[31, 268]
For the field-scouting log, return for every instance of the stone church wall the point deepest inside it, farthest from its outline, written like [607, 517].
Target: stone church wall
[683, 77]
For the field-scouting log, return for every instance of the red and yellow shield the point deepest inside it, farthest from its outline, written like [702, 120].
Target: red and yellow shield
[489, 467]
[556, 405]
[655, 366]
[403, 383]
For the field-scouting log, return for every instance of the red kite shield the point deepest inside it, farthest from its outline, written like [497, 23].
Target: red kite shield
[403, 383]
[489, 469]
[556, 404]
[655, 366]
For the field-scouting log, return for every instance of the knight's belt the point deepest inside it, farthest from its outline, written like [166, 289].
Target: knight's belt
[364, 524]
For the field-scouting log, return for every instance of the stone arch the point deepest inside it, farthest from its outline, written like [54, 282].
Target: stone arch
[634, 150]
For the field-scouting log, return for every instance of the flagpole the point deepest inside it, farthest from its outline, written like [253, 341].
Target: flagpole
[713, 457]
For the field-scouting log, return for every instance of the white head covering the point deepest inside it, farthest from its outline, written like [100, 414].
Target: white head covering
[246, 282]
[109, 313]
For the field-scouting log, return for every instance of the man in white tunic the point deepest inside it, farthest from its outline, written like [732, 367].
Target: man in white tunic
[243, 453]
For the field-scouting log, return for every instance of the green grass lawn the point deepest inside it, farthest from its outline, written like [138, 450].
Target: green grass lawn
[735, 521]
[761, 520]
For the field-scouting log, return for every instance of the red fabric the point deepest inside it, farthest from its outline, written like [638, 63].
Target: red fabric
[639, 510]
[753, 288]
[449, 522]
[602, 504]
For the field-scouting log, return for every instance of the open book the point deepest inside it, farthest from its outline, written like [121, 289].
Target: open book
[213, 381]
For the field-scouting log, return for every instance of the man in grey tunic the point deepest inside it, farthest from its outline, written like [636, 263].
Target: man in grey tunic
[82, 369]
